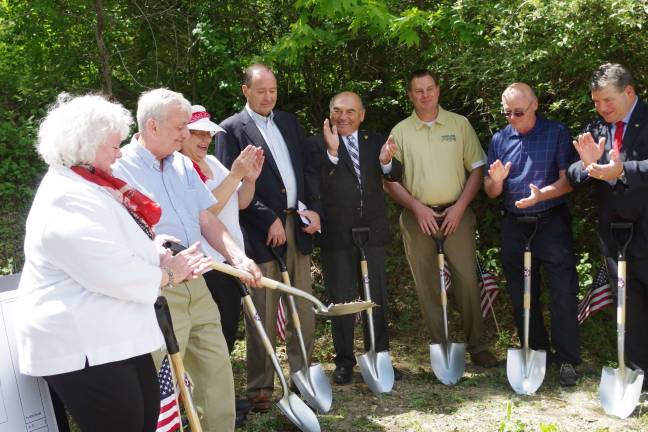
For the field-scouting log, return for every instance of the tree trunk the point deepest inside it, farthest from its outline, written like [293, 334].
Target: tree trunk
[104, 58]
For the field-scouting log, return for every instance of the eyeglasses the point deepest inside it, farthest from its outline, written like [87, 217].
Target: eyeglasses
[509, 114]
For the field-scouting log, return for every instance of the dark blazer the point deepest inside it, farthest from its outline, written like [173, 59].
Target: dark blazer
[345, 203]
[622, 201]
[269, 202]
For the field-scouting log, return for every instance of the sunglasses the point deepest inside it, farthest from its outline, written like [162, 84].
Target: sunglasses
[518, 114]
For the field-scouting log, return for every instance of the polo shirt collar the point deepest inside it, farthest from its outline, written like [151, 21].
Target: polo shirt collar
[148, 157]
[536, 127]
[442, 118]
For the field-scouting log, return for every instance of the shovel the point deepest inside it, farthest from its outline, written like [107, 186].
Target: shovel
[311, 381]
[376, 368]
[525, 367]
[319, 308]
[290, 405]
[166, 326]
[448, 359]
[620, 388]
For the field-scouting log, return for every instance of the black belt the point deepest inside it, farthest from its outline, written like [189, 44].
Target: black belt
[442, 207]
[539, 215]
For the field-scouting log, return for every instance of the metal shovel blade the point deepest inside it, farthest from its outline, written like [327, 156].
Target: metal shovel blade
[620, 394]
[448, 362]
[315, 387]
[377, 371]
[349, 308]
[298, 413]
[525, 377]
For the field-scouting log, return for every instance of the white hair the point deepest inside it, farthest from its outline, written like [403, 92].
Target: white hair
[76, 126]
[155, 104]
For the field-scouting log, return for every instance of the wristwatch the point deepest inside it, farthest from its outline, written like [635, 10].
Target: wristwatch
[169, 273]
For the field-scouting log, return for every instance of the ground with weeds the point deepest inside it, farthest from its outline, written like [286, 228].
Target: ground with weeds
[481, 401]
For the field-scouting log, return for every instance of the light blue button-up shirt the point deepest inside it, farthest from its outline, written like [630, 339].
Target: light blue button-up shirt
[173, 183]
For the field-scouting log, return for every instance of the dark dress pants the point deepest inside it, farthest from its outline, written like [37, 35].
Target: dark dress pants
[119, 396]
[343, 281]
[636, 348]
[552, 250]
[226, 294]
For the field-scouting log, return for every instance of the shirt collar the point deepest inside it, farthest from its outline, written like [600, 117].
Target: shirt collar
[258, 118]
[537, 126]
[148, 157]
[441, 118]
[354, 134]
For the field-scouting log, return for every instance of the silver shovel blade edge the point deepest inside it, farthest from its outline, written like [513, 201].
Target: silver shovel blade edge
[448, 364]
[298, 413]
[525, 378]
[320, 395]
[345, 308]
[377, 371]
[619, 396]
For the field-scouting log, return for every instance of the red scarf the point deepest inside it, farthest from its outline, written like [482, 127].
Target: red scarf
[138, 204]
[201, 174]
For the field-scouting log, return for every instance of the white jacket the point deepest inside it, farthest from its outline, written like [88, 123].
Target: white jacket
[90, 279]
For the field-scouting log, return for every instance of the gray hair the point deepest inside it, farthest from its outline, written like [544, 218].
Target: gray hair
[611, 74]
[334, 98]
[155, 104]
[75, 127]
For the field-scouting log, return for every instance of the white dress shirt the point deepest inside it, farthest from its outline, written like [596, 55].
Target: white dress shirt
[279, 149]
[90, 279]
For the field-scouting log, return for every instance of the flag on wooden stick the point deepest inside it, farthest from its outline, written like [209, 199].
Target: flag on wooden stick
[598, 296]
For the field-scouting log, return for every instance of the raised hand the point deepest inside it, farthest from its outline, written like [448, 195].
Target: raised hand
[331, 138]
[608, 171]
[387, 151]
[244, 163]
[588, 150]
[257, 165]
[498, 172]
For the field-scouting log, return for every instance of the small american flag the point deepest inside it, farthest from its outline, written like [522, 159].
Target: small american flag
[598, 296]
[281, 320]
[169, 419]
[488, 289]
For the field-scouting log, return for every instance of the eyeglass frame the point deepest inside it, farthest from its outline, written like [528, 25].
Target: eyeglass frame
[517, 114]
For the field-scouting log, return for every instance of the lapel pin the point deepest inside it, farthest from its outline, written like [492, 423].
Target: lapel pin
[636, 124]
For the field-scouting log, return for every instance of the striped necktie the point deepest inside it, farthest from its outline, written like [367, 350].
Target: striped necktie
[352, 147]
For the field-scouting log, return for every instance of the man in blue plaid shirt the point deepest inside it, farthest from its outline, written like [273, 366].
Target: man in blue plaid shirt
[527, 162]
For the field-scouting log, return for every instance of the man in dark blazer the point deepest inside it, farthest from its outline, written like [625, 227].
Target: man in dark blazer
[287, 183]
[352, 196]
[614, 158]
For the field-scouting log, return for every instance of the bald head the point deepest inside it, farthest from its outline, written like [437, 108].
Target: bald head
[519, 105]
[346, 94]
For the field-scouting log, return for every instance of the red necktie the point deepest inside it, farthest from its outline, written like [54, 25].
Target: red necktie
[618, 136]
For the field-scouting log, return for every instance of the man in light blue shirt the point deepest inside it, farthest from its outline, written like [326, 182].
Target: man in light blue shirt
[152, 164]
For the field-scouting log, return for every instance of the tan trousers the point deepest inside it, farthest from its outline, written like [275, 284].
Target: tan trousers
[459, 247]
[260, 375]
[197, 326]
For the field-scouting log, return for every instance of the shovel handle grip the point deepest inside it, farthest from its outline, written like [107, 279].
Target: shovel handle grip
[163, 316]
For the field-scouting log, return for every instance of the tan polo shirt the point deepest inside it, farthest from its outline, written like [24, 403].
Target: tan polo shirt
[436, 159]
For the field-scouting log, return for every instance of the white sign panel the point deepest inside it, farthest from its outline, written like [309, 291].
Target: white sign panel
[25, 404]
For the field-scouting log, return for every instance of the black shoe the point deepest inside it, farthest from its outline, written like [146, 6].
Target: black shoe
[568, 375]
[243, 406]
[342, 374]
[240, 421]
[398, 375]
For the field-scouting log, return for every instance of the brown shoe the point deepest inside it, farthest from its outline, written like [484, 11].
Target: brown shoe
[484, 359]
[261, 402]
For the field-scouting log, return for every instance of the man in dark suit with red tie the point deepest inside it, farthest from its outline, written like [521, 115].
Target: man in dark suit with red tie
[352, 164]
[287, 180]
[614, 157]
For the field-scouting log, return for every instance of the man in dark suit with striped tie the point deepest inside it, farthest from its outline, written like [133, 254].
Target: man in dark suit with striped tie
[614, 158]
[352, 164]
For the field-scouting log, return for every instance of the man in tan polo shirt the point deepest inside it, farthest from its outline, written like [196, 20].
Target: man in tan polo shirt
[442, 172]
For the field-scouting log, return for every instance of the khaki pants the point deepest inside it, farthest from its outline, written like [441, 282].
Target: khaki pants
[459, 248]
[260, 370]
[196, 323]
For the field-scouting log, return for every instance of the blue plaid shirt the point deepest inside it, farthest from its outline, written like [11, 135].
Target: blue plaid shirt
[536, 157]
